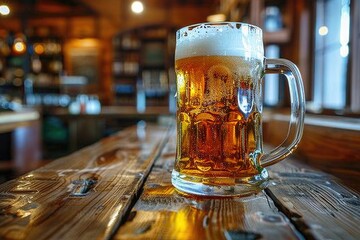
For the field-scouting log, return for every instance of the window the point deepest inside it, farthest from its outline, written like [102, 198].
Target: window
[272, 22]
[271, 83]
[336, 44]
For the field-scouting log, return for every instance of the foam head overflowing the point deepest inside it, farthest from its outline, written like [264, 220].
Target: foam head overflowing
[219, 39]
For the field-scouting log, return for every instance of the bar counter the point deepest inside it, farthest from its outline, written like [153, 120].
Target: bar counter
[120, 188]
[11, 120]
[21, 129]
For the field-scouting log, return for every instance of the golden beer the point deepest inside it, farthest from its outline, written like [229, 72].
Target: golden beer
[219, 70]
[216, 138]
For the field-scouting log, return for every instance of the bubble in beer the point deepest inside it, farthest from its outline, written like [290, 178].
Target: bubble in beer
[219, 83]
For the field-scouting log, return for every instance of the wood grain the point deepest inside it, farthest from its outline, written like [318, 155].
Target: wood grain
[84, 195]
[120, 188]
[300, 202]
[318, 205]
[163, 213]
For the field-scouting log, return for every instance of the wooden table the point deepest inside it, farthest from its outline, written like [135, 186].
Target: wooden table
[119, 188]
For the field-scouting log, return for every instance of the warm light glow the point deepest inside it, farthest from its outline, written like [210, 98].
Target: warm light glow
[39, 48]
[4, 10]
[216, 18]
[323, 30]
[85, 42]
[137, 7]
[17, 81]
[19, 47]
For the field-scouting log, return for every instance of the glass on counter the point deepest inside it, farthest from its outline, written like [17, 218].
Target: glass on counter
[85, 104]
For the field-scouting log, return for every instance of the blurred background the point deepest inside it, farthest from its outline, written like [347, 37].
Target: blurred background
[74, 71]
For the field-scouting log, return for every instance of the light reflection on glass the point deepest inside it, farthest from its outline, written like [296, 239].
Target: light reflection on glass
[344, 29]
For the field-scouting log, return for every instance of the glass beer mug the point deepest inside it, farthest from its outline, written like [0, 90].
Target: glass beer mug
[219, 72]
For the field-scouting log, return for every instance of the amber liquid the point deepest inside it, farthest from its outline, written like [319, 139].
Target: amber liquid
[218, 116]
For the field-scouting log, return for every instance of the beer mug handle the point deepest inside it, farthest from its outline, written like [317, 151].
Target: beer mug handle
[297, 98]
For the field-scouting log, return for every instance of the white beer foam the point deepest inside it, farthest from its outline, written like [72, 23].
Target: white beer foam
[220, 39]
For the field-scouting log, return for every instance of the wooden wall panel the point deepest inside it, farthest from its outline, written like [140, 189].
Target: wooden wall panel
[334, 149]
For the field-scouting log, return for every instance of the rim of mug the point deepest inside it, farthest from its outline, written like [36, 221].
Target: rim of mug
[222, 23]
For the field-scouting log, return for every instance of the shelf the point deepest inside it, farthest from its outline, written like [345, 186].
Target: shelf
[127, 89]
[125, 49]
[281, 36]
[144, 52]
[124, 76]
[47, 85]
[256, 12]
[155, 67]
[157, 39]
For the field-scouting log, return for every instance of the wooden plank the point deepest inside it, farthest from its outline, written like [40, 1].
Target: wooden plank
[307, 204]
[317, 204]
[84, 195]
[163, 213]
